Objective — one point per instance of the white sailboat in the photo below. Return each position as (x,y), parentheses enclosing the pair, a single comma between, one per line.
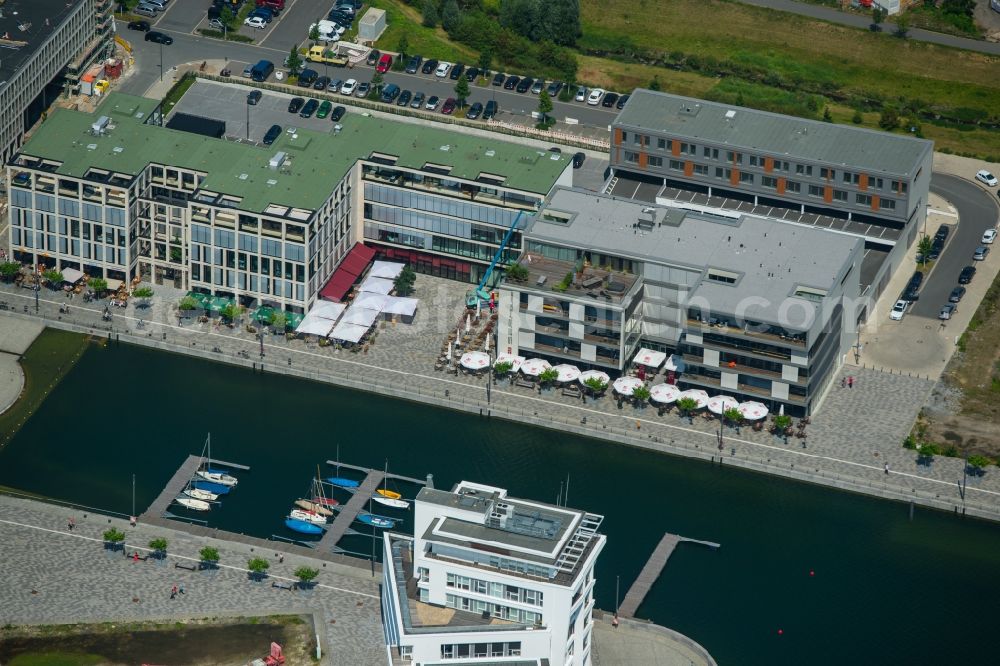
(308,516)
(214,475)
(193,504)
(387,497)
(200,494)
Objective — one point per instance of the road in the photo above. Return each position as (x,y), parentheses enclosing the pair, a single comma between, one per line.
(977,212)
(863,21)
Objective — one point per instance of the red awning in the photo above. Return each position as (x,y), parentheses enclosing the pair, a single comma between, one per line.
(352,266)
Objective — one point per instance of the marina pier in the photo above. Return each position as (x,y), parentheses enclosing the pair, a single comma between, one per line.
(652,570)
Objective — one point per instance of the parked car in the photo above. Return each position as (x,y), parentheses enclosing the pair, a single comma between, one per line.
(989,236)
(307,77)
(418,100)
(986,177)
(442,69)
(390,93)
(980,253)
(621,101)
(273,133)
(295,104)
(912,291)
(254,97)
(594,98)
(578,160)
(449,106)
(159,38)
(472,74)
(364,88)
(338,113)
(610,99)
(247,71)
(217,24)
(511,82)
(490,110)
(334,85)
(324,109)
(936,248)
(141,26)
(525,85)
(262,12)
(321,83)
(947,311)
(581,94)
(404,98)
(537,87)
(554,88)
(414,64)
(429,66)
(474,111)
(309,108)
(942,233)
(255,22)
(965,277)
(956,294)
(384,63)
(456,71)
(898,310)
(499,78)
(350,85)
(373,57)
(432,103)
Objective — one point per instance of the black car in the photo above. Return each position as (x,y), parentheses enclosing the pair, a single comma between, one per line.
(942,233)
(912,291)
(429,66)
(965,277)
(159,38)
(474,111)
(309,109)
(621,101)
(307,77)
(404,98)
(253,97)
(338,113)
(321,83)
(471,74)
(295,104)
(272,134)
(456,71)
(390,93)
(343,19)
(490,110)
(511,82)
(141,26)
(525,84)
(610,99)
(555,149)
(498,79)
(578,159)
(956,294)
(414,64)
(373,57)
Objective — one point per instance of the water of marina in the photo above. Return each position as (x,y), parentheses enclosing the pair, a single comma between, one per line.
(845,578)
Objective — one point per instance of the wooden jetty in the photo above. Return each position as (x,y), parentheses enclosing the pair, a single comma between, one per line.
(349,512)
(177,482)
(359,468)
(654,566)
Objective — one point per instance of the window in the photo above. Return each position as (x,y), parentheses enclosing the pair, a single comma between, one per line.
(863,199)
(654,161)
(676,165)
(689,149)
(631,157)
(793,186)
(701,169)
(733,157)
(722,276)
(711,152)
(769,182)
(781,166)
(664,144)
(879,183)
(840,195)
(899,186)
(637,139)
(829,174)
(803,170)
(746,178)
(624,137)
(723,173)
(815,190)
(887,204)
(756,161)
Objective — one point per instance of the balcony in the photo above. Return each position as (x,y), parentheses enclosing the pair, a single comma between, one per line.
(601,286)
(734,366)
(558,331)
(605,359)
(722,328)
(713,385)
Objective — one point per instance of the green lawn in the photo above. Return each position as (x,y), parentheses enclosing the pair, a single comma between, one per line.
(428,42)
(57,659)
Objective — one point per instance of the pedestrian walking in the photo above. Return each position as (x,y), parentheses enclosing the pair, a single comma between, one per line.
(843,382)
(181,588)
(614,621)
(850,382)
(173,592)
(71,524)
(281,559)
(887,469)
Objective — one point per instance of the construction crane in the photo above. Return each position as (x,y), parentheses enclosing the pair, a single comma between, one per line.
(480,293)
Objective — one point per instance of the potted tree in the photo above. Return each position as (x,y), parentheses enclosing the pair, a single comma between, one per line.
(977,465)
(98,286)
(306,576)
(641,396)
(9,270)
(278,322)
(258,567)
(403,284)
(53,277)
(517,273)
(926,453)
(501,369)
(596,386)
(547,376)
(686,407)
(144,294)
(209,558)
(781,424)
(159,548)
(733,417)
(114,540)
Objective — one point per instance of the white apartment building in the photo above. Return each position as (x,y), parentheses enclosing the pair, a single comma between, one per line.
(487,579)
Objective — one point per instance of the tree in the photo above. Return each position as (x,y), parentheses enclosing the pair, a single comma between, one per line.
(548,375)
(977,464)
(517,272)
(878,15)
(113,539)
(924,248)
(485,60)
(294,61)
(501,368)
(188,303)
(641,394)
(9,269)
(655,83)
(258,567)
(232,312)
(313,33)
(279,321)
(403,284)
(902,26)
(144,293)
(376,90)
(733,416)
(596,385)
(462,90)
(857,118)
(926,453)
(544,109)
(306,575)
(228,17)
(53,277)
(430,14)
(403,45)
(209,557)
(99,285)
(827,118)
(686,406)
(889,120)
(159,546)
(450,16)
(781,423)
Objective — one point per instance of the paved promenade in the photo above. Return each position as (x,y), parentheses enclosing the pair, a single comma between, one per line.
(16,335)
(635,642)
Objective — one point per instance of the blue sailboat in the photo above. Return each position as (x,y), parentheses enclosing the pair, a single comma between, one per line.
(376,521)
(302,526)
(341,482)
(216,488)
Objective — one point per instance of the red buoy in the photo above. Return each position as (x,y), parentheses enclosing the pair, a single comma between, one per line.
(781,631)
(812,573)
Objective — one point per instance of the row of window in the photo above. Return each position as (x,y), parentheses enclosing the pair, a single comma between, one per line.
(508,613)
(62,245)
(498,590)
(245,262)
(480,650)
(226,240)
(452,246)
(760,161)
(436,204)
(260,285)
(437,224)
(90,212)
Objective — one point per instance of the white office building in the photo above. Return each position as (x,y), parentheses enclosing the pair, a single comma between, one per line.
(488,579)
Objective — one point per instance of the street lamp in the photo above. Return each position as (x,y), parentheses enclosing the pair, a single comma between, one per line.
(248,121)
(161,62)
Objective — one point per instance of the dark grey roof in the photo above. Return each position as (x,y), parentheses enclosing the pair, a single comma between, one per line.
(25,21)
(773,133)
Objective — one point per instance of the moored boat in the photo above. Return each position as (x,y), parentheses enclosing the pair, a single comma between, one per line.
(193,504)
(394,503)
(341,482)
(391,494)
(376,521)
(199,494)
(302,526)
(308,516)
(306,505)
(215,488)
(325,501)
(215,477)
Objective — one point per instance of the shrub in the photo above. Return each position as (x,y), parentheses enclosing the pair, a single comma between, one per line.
(517,272)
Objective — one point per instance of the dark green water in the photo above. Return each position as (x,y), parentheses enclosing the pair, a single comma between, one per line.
(886,590)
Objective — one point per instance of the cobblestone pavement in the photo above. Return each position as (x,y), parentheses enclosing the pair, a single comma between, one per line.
(840,448)
(53,575)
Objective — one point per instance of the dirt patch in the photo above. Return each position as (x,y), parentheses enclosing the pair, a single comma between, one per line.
(208,642)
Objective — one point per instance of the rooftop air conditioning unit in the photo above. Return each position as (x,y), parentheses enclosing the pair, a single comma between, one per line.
(100,125)
(278,160)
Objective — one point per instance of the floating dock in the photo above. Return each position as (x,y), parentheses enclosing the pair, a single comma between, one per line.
(349,512)
(654,567)
(159,507)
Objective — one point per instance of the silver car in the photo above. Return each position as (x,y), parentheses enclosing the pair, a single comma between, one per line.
(980,253)
(335,85)
(947,311)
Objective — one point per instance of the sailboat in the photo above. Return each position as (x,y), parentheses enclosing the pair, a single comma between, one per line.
(215,475)
(302,526)
(308,516)
(199,494)
(193,504)
(341,482)
(214,488)
(316,504)
(387,497)
(376,521)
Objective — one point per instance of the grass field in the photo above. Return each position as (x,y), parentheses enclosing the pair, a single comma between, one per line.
(429,42)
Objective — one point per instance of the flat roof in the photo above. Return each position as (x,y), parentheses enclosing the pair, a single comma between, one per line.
(768,258)
(774,133)
(316,161)
(26,24)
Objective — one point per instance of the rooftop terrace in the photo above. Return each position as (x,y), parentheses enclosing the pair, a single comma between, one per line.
(549,275)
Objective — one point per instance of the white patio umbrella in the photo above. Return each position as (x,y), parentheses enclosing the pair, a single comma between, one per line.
(697,395)
(594,374)
(567,372)
(479,305)
(649,358)
(468,323)
(535,366)
(487,345)
(515,361)
(475,360)
(720,403)
(448,354)
(627,385)
(664,393)
(752,410)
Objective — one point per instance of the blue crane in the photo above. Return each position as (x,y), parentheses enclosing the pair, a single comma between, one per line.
(480,293)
